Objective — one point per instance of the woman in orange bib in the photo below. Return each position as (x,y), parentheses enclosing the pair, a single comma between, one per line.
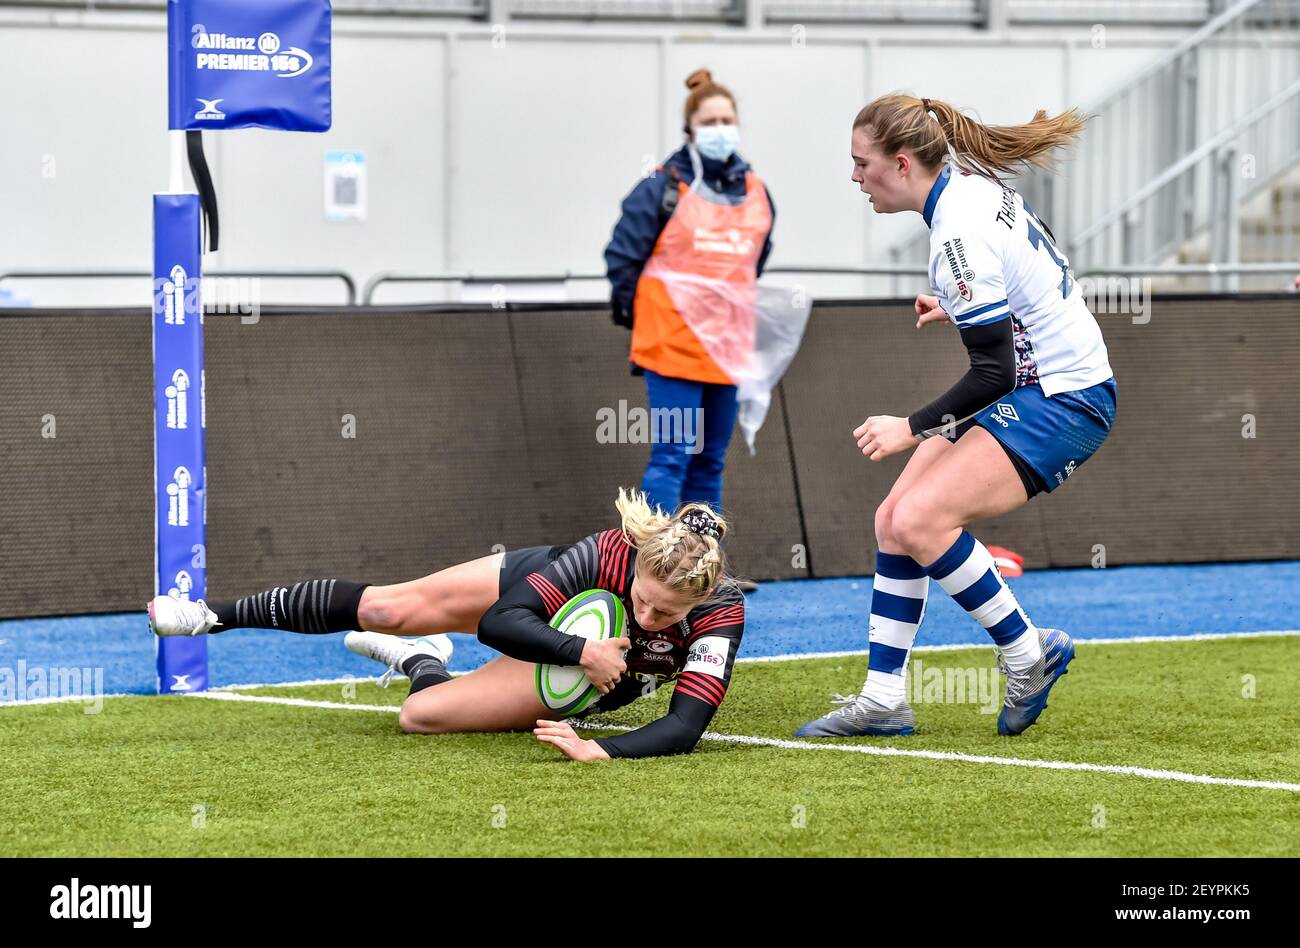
(683,264)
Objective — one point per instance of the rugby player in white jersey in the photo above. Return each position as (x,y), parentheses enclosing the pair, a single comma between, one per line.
(1036,403)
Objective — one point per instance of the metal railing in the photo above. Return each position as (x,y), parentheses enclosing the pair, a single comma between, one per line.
(447,8)
(713,11)
(1191,94)
(988,14)
(1160,216)
(973,12)
(505,279)
(1201,269)
(917,275)
(488,279)
(342,276)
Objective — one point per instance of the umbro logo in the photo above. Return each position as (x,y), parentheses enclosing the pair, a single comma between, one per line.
(1008,411)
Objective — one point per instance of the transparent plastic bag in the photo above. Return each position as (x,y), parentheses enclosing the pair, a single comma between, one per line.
(751,331)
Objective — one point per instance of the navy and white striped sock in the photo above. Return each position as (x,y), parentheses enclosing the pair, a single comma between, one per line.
(898,596)
(968,574)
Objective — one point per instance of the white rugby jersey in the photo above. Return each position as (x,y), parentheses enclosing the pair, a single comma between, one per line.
(991,259)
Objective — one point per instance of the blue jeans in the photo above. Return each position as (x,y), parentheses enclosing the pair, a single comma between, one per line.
(688,446)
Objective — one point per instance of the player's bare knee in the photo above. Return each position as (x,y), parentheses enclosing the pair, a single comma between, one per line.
(380,610)
(885,525)
(416,720)
(912,525)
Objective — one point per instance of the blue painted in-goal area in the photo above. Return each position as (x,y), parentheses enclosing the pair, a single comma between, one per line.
(792,616)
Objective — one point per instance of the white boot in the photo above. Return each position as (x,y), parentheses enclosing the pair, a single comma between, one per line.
(168,616)
(393,650)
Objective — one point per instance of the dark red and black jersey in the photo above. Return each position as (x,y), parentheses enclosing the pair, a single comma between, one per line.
(696,654)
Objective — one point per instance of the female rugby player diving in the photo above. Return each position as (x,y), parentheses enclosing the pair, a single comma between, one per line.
(1036,403)
(685,620)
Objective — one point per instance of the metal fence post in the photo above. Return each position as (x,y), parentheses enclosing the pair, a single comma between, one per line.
(1231,215)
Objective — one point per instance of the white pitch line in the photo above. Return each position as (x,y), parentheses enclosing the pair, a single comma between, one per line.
(856,653)
(294,702)
(790,657)
(1123,770)
(1146,772)
(961,646)
(343,680)
(65,699)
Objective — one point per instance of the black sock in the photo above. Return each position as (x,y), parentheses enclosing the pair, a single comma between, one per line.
(425,671)
(314,607)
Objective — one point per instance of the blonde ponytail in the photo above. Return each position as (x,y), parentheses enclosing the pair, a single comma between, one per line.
(900,122)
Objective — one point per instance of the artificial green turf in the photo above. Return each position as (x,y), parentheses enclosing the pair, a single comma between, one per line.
(280,780)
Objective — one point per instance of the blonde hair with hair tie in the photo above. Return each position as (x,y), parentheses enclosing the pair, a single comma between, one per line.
(678,550)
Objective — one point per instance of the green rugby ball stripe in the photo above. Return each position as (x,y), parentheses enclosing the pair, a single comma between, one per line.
(595,614)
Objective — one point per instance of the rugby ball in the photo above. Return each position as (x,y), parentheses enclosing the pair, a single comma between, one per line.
(595,614)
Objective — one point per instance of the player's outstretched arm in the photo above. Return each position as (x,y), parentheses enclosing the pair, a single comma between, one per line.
(677,732)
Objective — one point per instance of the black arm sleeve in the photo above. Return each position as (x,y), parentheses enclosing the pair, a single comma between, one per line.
(516,625)
(677,732)
(991,375)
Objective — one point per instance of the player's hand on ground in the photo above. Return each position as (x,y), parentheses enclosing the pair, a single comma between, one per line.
(603,662)
(561,735)
(928,310)
(882,435)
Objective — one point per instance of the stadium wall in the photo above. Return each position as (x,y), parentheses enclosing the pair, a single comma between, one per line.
(474,164)
(477,429)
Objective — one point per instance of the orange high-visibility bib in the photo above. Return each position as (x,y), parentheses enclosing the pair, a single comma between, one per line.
(695,301)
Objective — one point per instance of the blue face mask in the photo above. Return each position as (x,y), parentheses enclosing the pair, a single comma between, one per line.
(718,142)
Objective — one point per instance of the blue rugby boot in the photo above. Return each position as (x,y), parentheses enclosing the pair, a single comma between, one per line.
(1026,695)
(861,717)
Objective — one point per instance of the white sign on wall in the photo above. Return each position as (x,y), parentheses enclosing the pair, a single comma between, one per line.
(345,186)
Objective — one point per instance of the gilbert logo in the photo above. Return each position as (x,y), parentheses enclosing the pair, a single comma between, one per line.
(210,112)
(103,901)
